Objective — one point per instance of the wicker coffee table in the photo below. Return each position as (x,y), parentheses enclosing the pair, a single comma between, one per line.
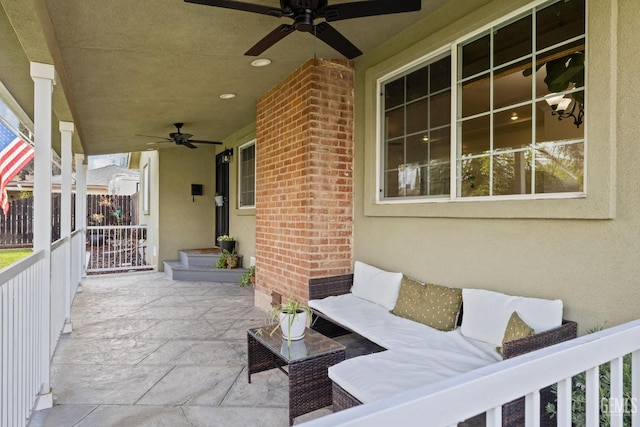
(308,360)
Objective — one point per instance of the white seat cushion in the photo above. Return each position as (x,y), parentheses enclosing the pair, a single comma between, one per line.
(379,375)
(373,322)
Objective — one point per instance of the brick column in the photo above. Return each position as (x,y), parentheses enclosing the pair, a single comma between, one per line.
(304,194)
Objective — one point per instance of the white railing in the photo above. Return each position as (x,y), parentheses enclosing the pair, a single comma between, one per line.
(78,261)
(22,347)
(117,248)
(60,279)
(27,338)
(452,401)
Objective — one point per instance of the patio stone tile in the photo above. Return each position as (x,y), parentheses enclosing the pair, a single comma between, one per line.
(232,301)
(136,415)
(90,314)
(267,389)
(104,351)
(231,312)
(164,313)
(198,329)
(231,292)
(61,415)
(112,328)
(170,301)
(239,416)
(201,353)
(150,351)
(192,385)
(238,330)
(103,384)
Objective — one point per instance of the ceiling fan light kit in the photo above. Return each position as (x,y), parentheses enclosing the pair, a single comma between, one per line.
(304,12)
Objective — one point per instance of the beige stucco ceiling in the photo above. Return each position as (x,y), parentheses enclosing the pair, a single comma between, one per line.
(135,67)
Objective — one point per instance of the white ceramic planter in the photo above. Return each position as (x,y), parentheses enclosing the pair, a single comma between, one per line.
(295,329)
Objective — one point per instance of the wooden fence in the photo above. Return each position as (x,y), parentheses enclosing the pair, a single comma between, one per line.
(16,229)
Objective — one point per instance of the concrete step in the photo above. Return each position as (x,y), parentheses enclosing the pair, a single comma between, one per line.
(202,257)
(176,270)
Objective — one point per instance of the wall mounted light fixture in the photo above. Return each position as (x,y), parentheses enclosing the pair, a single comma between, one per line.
(226,155)
(565,108)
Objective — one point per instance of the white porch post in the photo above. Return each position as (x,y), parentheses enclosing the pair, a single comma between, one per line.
(66,132)
(43,76)
(81,206)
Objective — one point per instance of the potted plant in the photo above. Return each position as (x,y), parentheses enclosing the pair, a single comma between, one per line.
(292,318)
(226,242)
(219,198)
(227,260)
(248,278)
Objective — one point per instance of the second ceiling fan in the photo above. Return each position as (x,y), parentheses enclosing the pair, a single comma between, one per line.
(180,138)
(304,12)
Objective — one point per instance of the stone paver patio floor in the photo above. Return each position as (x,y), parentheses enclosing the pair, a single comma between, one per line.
(150,351)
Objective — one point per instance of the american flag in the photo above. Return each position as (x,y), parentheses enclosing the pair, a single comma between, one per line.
(15,154)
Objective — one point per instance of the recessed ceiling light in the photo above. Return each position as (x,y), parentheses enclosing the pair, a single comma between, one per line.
(514,116)
(227,96)
(262,62)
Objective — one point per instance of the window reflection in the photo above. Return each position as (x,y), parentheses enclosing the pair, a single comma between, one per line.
(500,140)
(417,132)
(511,139)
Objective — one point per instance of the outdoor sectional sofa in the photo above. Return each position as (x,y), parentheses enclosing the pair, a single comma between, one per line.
(427,332)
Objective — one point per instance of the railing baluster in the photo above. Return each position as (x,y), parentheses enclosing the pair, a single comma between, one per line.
(616,405)
(635,388)
(532,409)
(592,405)
(565,402)
(494,417)
(4,362)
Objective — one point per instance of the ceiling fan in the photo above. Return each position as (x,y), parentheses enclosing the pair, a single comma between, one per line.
(180,138)
(303,13)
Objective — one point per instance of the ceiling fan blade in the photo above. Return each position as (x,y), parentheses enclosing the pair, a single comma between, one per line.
(197,141)
(360,9)
(333,38)
(185,135)
(238,5)
(270,39)
(186,144)
(153,136)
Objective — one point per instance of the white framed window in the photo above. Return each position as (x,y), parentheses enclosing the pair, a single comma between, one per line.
(506,103)
(247,175)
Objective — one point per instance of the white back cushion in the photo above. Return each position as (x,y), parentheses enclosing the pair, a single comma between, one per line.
(485,314)
(375,285)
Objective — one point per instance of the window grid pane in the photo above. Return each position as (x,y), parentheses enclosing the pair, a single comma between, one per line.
(499,130)
(511,138)
(247,176)
(416,130)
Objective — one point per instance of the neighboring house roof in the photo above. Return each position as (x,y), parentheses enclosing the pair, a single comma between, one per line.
(102,176)
(99,177)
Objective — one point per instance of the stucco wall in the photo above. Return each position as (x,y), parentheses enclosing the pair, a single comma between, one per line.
(185,223)
(150,217)
(523,248)
(242,223)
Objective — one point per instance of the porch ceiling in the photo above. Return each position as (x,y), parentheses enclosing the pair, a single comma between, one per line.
(135,67)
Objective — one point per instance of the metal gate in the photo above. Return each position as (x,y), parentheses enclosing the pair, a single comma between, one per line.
(117,248)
